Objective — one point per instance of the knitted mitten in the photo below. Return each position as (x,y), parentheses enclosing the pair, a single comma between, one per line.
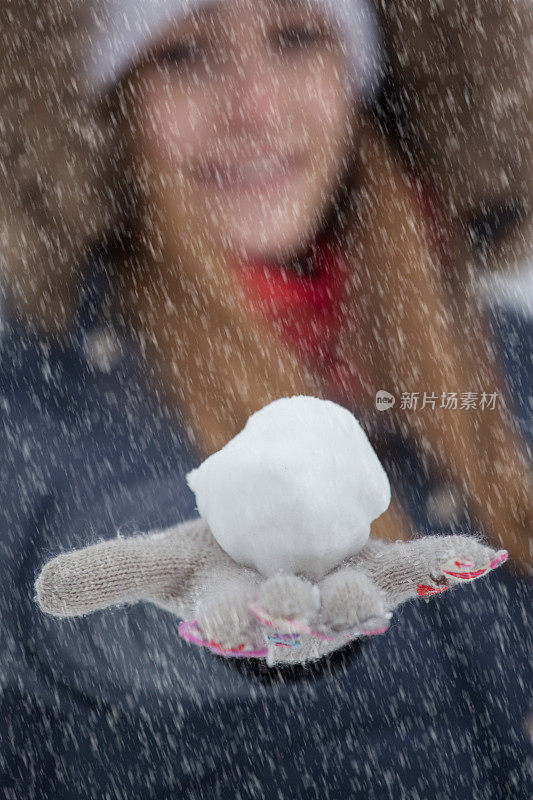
(235,611)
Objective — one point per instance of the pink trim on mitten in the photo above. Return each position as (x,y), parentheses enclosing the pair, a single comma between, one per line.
(456,569)
(290,625)
(501,556)
(285,639)
(300,626)
(190,632)
(468,575)
(422,589)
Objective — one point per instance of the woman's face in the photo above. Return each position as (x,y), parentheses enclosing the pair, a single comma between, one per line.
(241,120)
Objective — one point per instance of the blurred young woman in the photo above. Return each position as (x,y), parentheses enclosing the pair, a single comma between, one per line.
(231,158)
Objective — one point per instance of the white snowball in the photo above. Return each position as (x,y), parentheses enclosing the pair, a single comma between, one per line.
(295,491)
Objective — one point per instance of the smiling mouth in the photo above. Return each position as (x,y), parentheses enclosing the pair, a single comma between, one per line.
(248,174)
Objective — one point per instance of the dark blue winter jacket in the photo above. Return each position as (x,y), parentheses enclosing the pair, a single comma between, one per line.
(116,706)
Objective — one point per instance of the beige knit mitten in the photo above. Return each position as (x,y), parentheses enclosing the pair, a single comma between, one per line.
(235,611)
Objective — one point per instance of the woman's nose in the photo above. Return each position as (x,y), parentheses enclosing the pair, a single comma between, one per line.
(254,94)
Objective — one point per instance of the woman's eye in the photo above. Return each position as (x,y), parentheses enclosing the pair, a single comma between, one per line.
(299,36)
(182,54)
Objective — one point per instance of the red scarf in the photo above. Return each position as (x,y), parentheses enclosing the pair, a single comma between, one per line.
(306,310)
